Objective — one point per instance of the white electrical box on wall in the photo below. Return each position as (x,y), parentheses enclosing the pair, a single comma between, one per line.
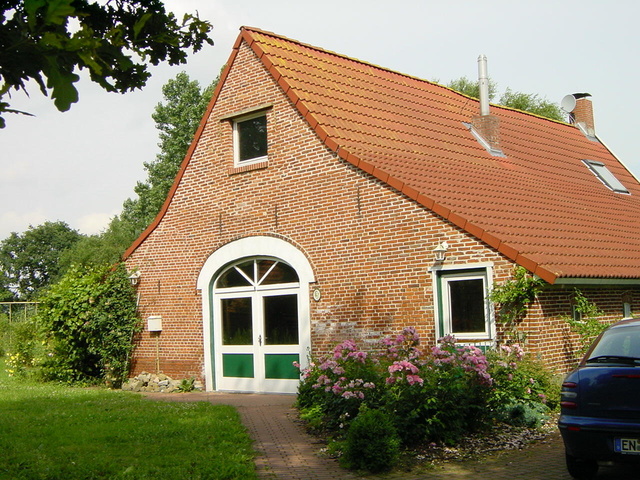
(154,323)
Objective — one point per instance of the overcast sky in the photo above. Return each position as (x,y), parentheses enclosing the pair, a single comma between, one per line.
(79,166)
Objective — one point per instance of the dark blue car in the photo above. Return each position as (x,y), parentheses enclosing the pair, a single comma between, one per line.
(600,416)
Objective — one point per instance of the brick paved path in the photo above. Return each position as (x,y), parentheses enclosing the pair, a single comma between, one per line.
(286,452)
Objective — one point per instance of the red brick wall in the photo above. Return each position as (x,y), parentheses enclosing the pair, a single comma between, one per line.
(549,335)
(370,246)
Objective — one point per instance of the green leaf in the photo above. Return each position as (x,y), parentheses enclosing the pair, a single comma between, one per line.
(58,11)
(64,93)
(32,7)
(52,40)
(139,25)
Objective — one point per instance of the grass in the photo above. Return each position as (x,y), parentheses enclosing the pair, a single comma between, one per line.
(57,432)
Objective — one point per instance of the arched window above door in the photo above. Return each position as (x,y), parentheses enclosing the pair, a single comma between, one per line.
(257,272)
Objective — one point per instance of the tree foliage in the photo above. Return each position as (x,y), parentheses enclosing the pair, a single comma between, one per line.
(177,120)
(90,319)
(106,247)
(531,102)
(472,88)
(49,41)
(528,102)
(30,261)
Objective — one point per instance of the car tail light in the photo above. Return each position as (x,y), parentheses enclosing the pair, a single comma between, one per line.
(569,395)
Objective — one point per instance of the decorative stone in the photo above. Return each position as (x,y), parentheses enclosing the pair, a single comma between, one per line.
(147,382)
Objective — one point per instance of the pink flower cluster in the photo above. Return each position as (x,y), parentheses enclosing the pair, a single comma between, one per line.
(404,345)
(470,358)
(515,349)
(340,374)
(333,378)
(404,369)
(349,349)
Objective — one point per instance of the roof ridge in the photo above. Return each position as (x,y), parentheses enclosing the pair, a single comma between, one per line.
(347,57)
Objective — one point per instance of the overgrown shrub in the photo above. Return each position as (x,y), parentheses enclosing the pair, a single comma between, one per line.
(89,317)
(5,334)
(521,414)
(23,347)
(371,443)
(519,378)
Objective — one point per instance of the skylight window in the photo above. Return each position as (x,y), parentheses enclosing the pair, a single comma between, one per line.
(600,170)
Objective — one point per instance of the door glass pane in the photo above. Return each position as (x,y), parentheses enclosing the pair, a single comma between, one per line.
(281,320)
(281,273)
(237,328)
(467,307)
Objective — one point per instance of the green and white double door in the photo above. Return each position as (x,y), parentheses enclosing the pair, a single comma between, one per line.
(260,327)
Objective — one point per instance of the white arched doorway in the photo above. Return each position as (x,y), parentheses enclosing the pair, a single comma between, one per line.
(255,303)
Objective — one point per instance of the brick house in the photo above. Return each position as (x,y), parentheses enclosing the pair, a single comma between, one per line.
(317,192)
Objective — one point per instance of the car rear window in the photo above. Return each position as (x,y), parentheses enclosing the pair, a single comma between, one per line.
(624,342)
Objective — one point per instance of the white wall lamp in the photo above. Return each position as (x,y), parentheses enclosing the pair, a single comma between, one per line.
(440,252)
(134,278)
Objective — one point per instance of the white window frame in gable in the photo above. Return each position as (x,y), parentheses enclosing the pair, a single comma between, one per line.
(442,276)
(236,139)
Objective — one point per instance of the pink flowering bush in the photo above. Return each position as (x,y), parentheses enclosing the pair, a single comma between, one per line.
(341,383)
(436,394)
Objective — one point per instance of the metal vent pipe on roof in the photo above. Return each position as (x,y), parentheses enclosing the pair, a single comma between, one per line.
(483,81)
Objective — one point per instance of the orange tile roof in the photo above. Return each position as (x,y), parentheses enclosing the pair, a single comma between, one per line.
(539,205)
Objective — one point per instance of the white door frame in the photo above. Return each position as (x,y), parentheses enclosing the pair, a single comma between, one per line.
(254,247)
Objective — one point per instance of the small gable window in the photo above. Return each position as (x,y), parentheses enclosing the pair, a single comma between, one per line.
(601,171)
(250,139)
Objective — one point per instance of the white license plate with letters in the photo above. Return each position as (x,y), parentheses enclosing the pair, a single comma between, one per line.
(627,445)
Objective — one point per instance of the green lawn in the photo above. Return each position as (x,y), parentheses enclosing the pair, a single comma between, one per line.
(56,432)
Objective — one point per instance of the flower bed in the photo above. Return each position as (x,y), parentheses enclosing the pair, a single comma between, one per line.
(435,396)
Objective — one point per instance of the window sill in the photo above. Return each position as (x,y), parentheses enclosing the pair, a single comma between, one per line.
(472,340)
(248,168)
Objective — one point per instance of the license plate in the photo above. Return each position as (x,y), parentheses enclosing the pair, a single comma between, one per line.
(627,445)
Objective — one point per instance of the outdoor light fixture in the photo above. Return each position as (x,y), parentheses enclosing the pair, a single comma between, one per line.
(134,278)
(440,251)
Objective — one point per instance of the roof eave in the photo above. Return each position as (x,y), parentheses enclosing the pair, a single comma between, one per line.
(596,281)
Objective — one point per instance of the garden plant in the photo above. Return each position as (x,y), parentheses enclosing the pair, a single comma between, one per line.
(83,331)
(438,395)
